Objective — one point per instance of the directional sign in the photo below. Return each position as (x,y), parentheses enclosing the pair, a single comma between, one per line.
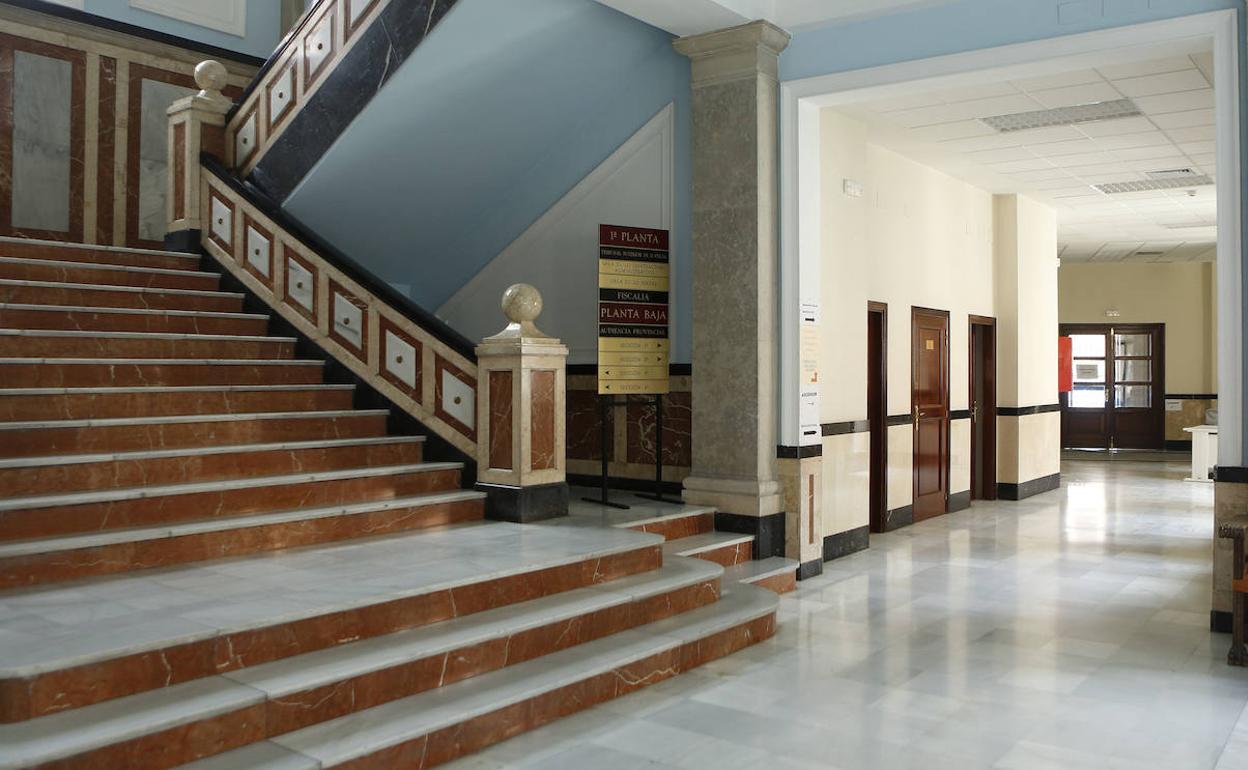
(633,310)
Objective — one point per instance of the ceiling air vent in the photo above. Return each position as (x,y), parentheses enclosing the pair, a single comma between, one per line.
(1172,173)
(1117,188)
(1063,116)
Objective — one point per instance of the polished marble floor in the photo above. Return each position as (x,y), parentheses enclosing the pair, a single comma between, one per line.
(1065,631)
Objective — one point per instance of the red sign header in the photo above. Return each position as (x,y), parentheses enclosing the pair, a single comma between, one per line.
(633,237)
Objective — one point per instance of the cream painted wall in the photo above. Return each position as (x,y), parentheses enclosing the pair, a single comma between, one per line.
(1026,298)
(1182,295)
(917,237)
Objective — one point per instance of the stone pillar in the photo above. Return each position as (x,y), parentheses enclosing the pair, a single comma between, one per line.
(735,248)
(196,125)
(521,402)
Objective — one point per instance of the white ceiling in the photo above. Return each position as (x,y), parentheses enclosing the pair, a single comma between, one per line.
(691,17)
(1060,164)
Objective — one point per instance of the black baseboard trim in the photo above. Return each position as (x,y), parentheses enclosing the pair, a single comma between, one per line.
(523,505)
(799,452)
(184,240)
(845,543)
(1024,411)
(1220,622)
(670,488)
(1029,488)
(1178,445)
(810,569)
(1230,474)
(898,518)
(959,501)
(768,531)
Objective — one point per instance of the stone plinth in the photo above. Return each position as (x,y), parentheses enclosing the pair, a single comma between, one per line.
(521,441)
(196,125)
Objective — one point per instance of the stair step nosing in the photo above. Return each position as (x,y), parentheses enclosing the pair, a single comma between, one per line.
(177,336)
(170,389)
(199,527)
(88,728)
(68,246)
(744,572)
(96,496)
(111,287)
(278,678)
(113,422)
(402,720)
(106,266)
(725,542)
(161,361)
(223,449)
(131,311)
(665,518)
(193,630)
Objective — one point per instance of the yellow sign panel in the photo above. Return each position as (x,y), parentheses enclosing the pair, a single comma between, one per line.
(642,283)
(608,358)
(627,345)
(633,269)
(634,387)
(632,372)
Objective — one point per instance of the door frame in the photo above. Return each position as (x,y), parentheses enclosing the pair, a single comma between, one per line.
(1158,409)
(989,471)
(878,426)
(945,372)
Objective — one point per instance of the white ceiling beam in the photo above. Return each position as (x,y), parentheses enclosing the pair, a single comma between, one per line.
(693,17)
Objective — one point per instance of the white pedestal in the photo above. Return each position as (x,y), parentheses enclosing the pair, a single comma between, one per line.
(1204,451)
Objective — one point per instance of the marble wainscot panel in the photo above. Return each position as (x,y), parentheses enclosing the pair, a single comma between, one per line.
(83,131)
(1192,408)
(900,476)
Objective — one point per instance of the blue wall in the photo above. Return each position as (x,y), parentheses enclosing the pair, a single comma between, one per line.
(501,111)
(263,25)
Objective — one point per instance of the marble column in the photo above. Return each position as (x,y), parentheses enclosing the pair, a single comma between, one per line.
(521,408)
(196,125)
(735,253)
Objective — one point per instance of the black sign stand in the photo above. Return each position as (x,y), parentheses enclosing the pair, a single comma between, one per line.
(658,456)
(604,404)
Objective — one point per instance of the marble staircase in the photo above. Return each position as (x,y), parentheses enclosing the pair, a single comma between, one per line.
(209,555)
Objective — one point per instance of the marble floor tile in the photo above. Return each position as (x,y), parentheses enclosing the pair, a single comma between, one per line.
(1069,630)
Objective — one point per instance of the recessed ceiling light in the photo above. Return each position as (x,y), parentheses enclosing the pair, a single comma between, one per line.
(1064,116)
(1171,173)
(1117,188)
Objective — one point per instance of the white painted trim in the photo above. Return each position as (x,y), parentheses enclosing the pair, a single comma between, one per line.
(662,128)
(228,16)
(801,226)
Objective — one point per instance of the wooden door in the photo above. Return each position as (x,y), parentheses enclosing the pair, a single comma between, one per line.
(1118,399)
(983,401)
(877,410)
(929,366)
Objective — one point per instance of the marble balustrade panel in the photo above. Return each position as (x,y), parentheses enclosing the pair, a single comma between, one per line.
(360,330)
(631,428)
(83,130)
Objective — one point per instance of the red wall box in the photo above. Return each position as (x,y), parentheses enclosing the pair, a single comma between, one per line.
(1065,365)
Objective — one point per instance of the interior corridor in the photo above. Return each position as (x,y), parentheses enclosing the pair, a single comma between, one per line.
(1069,630)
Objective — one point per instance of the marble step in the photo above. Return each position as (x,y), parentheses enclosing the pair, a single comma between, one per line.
(147,506)
(129,434)
(775,573)
(172,372)
(157,628)
(676,525)
(81,472)
(723,548)
(108,552)
(110,255)
(55,343)
(23,404)
(80,318)
(219,713)
(94,295)
(440,725)
(21,269)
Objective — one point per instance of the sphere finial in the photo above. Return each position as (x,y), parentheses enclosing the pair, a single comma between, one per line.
(211,76)
(522,303)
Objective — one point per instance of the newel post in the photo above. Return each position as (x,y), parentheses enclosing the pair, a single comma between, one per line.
(521,394)
(196,125)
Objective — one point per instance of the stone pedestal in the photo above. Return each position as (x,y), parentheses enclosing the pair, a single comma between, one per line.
(735,248)
(521,439)
(196,125)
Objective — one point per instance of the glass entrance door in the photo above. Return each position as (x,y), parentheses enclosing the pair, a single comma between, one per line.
(1117,401)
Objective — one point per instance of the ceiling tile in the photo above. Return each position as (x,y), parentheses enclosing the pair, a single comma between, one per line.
(1185,100)
(1019,165)
(960,130)
(1128,141)
(975,108)
(1041,175)
(1150,67)
(1002,155)
(1170,82)
(911,102)
(1116,127)
(1145,153)
(1185,119)
(1198,148)
(1193,134)
(1050,149)
(1072,95)
(1077,78)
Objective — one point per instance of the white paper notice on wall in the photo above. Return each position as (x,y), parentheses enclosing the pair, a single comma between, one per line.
(1174,405)
(808,345)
